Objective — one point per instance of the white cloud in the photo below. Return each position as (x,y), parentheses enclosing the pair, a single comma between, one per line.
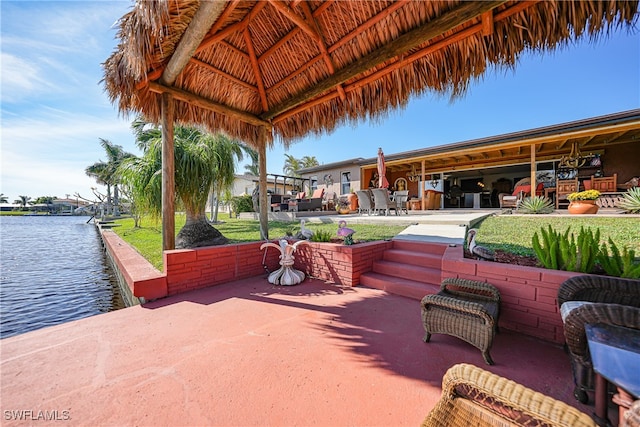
(21,78)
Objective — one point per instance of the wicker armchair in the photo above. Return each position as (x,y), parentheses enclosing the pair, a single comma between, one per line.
(612,290)
(575,336)
(466,309)
(615,300)
(474,397)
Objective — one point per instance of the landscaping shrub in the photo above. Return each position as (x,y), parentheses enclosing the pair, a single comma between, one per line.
(536,205)
(242,204)
(563,252)
(631,201)
(321,236)
(619,265)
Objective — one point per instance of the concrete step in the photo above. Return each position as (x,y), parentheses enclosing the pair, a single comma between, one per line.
(420,247)
(408,271)
(420,259)
(398,286)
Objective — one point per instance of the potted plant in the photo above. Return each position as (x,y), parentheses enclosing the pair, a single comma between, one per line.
(343,205)
(583,202)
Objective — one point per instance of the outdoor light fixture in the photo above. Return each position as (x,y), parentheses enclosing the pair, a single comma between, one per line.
(575,159)
(414,175)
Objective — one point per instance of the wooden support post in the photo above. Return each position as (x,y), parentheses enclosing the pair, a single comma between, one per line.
(421,190)
(533,170)
(168,175)
(262,164)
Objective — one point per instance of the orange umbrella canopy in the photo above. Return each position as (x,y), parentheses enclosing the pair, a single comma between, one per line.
(299,67)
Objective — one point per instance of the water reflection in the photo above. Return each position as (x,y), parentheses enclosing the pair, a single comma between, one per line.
(52,270)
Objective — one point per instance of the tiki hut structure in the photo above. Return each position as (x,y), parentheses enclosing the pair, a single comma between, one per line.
(265,71)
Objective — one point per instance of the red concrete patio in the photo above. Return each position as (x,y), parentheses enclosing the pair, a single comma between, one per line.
(250,353)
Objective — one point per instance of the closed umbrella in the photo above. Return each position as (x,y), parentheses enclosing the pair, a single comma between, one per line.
(382,169)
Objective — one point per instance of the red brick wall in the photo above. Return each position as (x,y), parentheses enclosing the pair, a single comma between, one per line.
(338,263)
(528,293)
(189,269)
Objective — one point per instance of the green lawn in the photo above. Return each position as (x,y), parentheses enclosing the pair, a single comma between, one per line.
(509,233)
(148,238)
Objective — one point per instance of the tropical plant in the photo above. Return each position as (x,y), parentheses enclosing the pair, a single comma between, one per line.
(227,152)
(105,173)
(242,203)
(584,195)
(293,165)
(536,205)
(253,168)
(563,252)
(321,236)
(196,155)
(630,200)
(619,265)
(22,201)
(3,198)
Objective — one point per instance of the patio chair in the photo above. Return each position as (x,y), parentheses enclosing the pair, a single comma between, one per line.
(364,201)
(605,184)
(466,309)
(472,396)
(329,201)
(382,202)
(401,197)
(313,203)
(564,187)
(594,299)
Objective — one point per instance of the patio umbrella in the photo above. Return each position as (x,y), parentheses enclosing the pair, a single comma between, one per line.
(382,169)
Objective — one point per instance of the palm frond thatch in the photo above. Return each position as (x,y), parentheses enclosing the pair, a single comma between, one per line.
(297,65)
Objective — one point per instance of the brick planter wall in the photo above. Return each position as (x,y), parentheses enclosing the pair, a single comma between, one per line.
(528,294)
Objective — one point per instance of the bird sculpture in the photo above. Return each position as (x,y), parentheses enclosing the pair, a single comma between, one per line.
(480,252)
(345,232)
(304,233)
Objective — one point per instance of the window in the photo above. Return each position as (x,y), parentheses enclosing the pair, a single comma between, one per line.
(345,182)
(313,183)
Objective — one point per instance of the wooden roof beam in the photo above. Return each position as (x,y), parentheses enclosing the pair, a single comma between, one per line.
(202,102)
(487,23)
(323,47)
(295,18)
(237,27)
(202,21)
(463,13)
(223,74)
(256,69)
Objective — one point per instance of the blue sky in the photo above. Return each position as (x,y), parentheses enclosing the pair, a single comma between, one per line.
(54,109)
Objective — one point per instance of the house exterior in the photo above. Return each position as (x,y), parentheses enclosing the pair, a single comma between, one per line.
(471,173)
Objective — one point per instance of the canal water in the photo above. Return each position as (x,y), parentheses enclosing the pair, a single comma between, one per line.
(52,270)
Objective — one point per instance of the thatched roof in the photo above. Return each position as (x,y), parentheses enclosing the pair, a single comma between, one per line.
(299,67)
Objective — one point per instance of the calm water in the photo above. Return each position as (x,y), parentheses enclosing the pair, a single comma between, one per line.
(52,270)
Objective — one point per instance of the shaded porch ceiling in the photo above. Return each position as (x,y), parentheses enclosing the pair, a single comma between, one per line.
(590,136)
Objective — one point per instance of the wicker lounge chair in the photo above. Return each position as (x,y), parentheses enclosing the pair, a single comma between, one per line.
(594,299)
(466,309)
(472,396)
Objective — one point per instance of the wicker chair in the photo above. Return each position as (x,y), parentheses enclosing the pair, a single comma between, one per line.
(615,300)
(474,397)
(466,309)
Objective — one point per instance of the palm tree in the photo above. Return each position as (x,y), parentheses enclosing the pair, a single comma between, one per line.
(227,151)
(201,160)
(3,198)
(291,165)
(309,161)
(22,201)
(105,172)
(254,167)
